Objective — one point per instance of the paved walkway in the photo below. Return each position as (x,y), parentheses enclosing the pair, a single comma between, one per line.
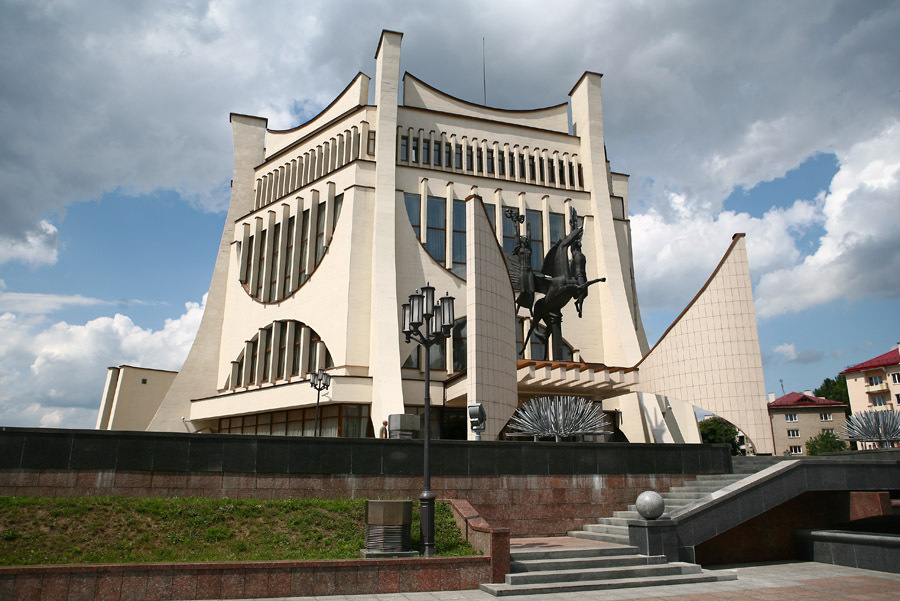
(785,581)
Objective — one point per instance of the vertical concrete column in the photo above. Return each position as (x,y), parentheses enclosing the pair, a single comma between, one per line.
(448,226)
(453,145)
(384,354)
(259,186)
(423,206)
(364,141)
(519,176)
(354,140)
(399,157)
(421,153)
(257,250)
(495,146)
(545,221)
(333,164)
(498,216)
(620,339)
(304,351)
(262,340)
(248,364)
(567,211)
(577,184)
(445,144)
(410,134)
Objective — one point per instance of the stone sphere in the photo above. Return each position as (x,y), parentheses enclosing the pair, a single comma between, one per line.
(650,505)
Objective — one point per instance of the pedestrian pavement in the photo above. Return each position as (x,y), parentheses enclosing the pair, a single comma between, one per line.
(776,581)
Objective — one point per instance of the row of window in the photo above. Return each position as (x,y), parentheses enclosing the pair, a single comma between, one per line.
(792,417)
(876,380)
(344,420)
(271,266)
(313,164)
(434,233)
(279,351)
(796,433)
(481,157)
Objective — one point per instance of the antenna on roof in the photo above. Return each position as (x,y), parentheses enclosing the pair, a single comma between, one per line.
(483,73)
(780,381)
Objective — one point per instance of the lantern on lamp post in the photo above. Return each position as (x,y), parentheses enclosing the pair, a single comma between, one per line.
(427,323)
(320,381)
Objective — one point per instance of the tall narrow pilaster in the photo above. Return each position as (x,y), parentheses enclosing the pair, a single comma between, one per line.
(384,348)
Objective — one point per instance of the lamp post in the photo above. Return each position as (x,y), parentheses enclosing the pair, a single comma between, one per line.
(320,381)
(437,319)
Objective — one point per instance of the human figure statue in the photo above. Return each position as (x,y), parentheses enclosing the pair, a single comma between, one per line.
(577,269)
(526,279)
(384,430)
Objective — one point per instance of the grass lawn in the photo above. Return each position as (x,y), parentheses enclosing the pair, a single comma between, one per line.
(39,530)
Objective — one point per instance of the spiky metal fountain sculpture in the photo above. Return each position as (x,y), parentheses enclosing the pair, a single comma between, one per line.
(882,427)
(559,417)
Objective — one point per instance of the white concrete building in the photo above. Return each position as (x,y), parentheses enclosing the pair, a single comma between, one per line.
(332,224)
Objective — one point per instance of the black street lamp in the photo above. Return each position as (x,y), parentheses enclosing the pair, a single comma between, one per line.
(320,381)
(421,310)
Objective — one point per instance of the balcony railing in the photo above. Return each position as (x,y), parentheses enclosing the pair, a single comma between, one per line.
(883,387)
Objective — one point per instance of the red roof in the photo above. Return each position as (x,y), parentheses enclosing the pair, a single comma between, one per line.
(892,357)
(795,399)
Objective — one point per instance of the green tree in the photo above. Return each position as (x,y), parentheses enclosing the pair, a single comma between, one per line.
(826,442)
(712,429)
(833,390)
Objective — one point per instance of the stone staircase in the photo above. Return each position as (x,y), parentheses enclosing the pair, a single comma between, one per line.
(615,529)
(593,568)
(607,560)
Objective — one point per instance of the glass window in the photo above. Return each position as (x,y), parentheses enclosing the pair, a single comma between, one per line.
(509,232)
(437,153)
(790,417)
(415,150)
(413,210)
(557,227)
(447,154)
(825,417)
(459,238)
(336,211)
(793,433)
(879,401)
(536,238)
(426,151)
(501,163)
(895,378)
(437,228)
(479,160)
(438,356)
(490,161)
(320,232)
(248,268)
(491,211)
(796,450)
(370,146)
(538,348)
(828,431)
(875,380)
(551,170)
(458,152)
(404,148)
(412,362)
(562,173)
(531,168)
(459,345)
(469,165)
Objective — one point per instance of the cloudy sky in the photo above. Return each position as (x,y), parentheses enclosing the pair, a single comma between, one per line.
(777,119)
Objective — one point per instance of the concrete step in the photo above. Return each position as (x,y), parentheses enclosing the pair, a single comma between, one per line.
(621,530)
(599,536)
(584,563)
(581,552)
(627,515)
(689,495)
(504,590)
(613,521)
(711,487)
(703,478)
(611,573)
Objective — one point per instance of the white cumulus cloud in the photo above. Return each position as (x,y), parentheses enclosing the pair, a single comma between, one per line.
(53,375)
